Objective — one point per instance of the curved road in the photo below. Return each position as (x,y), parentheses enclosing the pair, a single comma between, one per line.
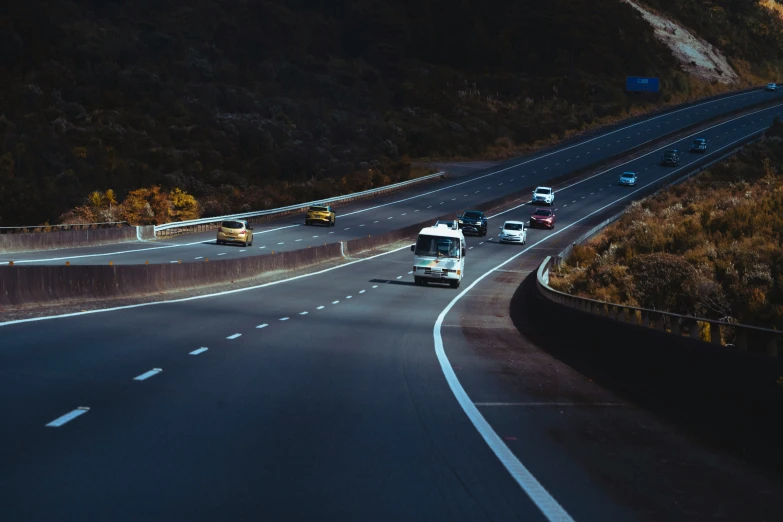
(331,396)
(420,203)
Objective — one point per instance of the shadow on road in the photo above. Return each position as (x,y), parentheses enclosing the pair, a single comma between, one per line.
(729,400)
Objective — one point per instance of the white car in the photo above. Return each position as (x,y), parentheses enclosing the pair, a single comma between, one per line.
(513,232)
(772,87)
(544,195)
(627,178)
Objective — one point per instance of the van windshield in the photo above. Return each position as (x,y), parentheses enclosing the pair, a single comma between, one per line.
(436,246)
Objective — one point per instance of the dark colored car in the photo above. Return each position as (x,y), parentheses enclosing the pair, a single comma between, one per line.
(473,221)
(699,145)
(542,217)
(671,158)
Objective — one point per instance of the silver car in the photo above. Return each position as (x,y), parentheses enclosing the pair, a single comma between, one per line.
(513,232)
(544,195)
(628,178)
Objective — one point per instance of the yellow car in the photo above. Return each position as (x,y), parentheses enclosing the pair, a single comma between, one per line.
(235,231)
(323,215)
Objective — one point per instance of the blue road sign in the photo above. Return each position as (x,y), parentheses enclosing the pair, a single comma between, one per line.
(640,83)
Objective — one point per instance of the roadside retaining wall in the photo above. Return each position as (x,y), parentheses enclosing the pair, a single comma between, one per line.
(51,284)
(30,241)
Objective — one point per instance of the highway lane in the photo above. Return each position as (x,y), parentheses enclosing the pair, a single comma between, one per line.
(341,412)
(407,207)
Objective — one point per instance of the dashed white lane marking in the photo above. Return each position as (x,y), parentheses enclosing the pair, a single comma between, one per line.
(59,421)
(377,220)
(600,189)
(147,375)
(574,201)
(416,210)
(409,273)
(390,217)
(481,242)
(222,254)
(199,257)
(442,202)
(403,213)
(302,313)
(375,286)
(281,243)
(245,250)
(200,350)
(477,192)
(362,291)
(470,248)
(453,199)
(234,336)
(546,168)
(298,239)
(320,307)
(335,302)
(592,193)
(317,236)
(361,225)
(264,325)
(512,179)
(331,232)
(348,296)
(430,206)
(564,206)
(556,164)
(172,261)
(399,277)
(583,197)
(349,228)
(284,318)
(262,247)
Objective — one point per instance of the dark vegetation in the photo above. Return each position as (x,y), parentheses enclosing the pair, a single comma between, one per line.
(710,247)
(253,104)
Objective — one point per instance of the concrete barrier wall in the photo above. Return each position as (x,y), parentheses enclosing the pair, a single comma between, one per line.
(65,239)
(52,284)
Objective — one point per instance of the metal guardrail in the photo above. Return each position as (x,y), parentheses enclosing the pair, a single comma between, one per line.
(743,337)
(720,333)
(65,226)
(204,223)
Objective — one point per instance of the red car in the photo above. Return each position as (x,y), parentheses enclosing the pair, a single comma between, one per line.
(542,217)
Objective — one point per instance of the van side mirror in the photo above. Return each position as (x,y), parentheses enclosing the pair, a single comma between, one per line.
(413,248)
(463,252)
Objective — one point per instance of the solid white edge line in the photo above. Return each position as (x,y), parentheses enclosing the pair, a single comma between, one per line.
(147,375)
(200,350)
(59,421)
(205,296)
(550,508)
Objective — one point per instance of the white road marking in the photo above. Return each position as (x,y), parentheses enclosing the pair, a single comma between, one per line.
(222,254)
(262,326)
(552,404)
(200,350)
(470,248)
(331,232)
(361,225)
(302,313)
(349,228)
(481,242)
(172,261)
(362,291)
(564,206)
(377,221)
(317,236)
(348,296)
(403,213)
(375,286)
(390,217)
(284,318)
(59,421)
(320,307)
(244,250)
(427,207)
(399,277)
(146,375)
(234,336)
(297,239)
(335,302)
(199,257)
(409,273)
(416,210)
(281,243)
(261,247)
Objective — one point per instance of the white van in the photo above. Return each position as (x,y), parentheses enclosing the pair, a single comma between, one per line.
(439,256)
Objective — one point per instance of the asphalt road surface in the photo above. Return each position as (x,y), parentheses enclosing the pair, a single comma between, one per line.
(454,195)
(333,396)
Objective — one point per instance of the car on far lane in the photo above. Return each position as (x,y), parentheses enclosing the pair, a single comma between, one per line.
(513,232)
(628,178)
(699,145)
(671,158)
(544,195)
(771,87)
(543,217)
(321,214)
(235,231)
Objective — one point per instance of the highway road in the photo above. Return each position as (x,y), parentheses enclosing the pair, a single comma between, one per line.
(411,206)
(339,395)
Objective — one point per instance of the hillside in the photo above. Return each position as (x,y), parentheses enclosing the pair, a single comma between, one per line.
(710,247)
(252,104)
